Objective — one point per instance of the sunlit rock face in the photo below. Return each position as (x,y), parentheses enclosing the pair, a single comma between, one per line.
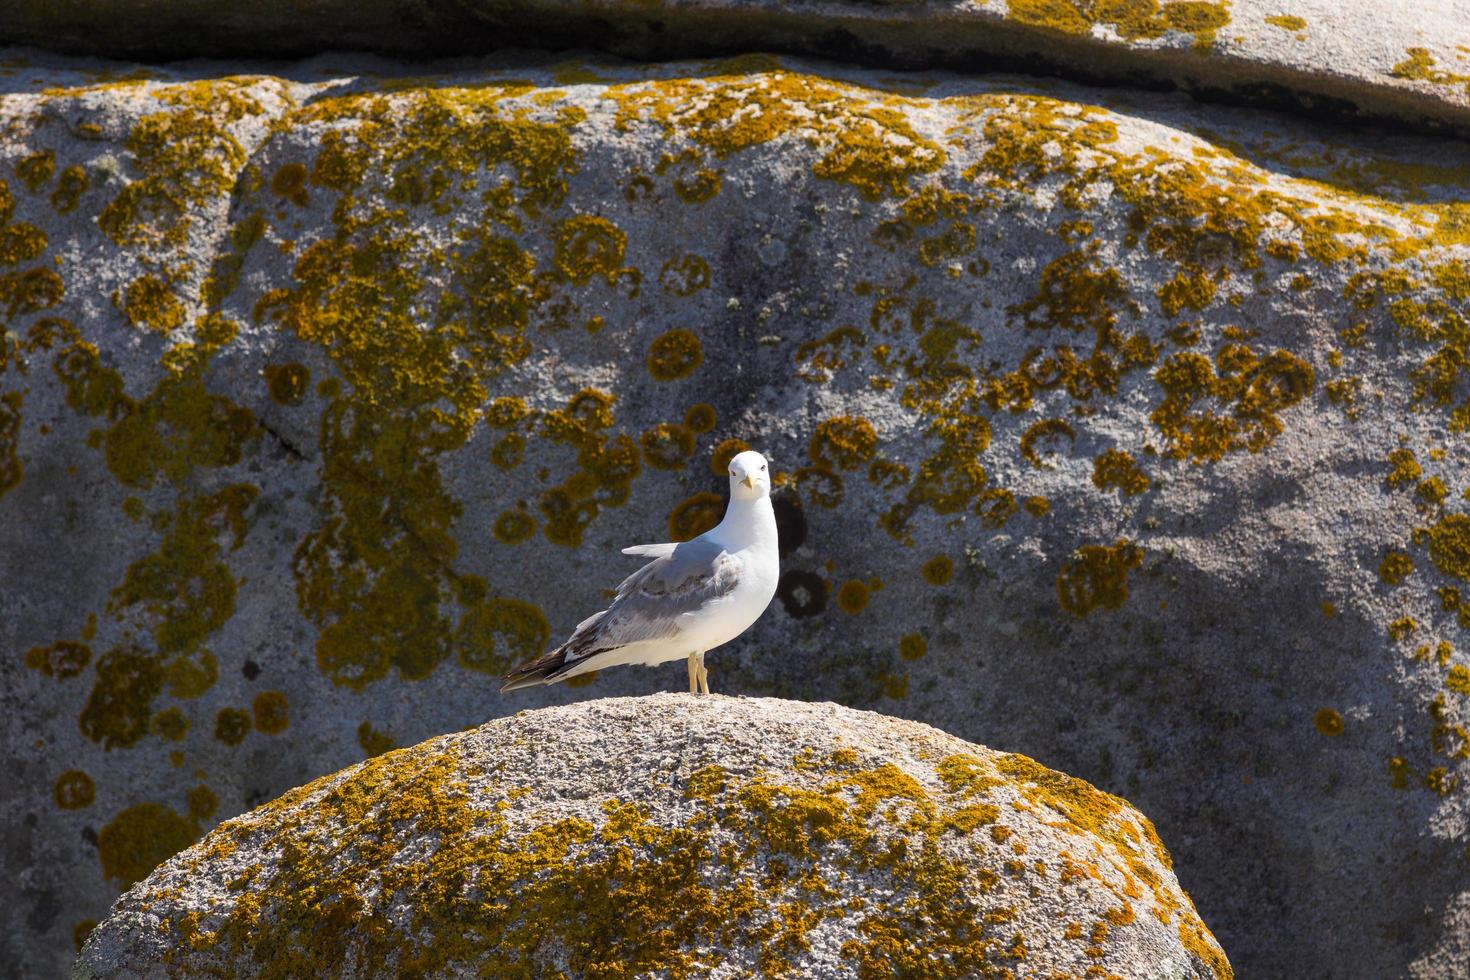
(672,835)
(1121,430)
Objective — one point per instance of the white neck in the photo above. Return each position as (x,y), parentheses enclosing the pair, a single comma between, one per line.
(748,523)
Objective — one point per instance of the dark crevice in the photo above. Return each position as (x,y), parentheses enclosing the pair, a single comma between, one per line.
(286,444)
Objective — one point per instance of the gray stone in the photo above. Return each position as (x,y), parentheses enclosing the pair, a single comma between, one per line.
(1115,428)
(672,835)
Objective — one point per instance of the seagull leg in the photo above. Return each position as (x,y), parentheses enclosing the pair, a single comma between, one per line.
(703,676)
(693,675)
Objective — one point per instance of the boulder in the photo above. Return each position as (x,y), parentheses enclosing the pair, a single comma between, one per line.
(1119,428)
(672,835)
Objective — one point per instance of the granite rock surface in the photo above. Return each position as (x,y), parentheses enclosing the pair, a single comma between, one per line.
(672,835)
(1115,428)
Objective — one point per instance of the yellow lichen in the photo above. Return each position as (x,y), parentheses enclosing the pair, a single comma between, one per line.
(674,354)
(913,646)
(271,711)
(61,659)
(231,725)
(74,790)
(694,515)
(1328,722)
(1097,577)
(667,446)
(843,442)
(700,418)
(853,597)
(1116,468)
(140,838)
(938,570)
(288,383)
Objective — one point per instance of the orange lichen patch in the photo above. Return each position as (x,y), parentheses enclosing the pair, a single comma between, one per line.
(1132,20)
(139,839)
(700,418)
(289,182)
(1402,628)
(588,246)
(36,169)
(1116,468)
(506,412)
(74,790)
(667,446)
(1420,66)
(271,711)
(1395,567)
(20,242)
(1041,432)
(287,383)
(500,632)
(1458,679)
(1404,468)
(1328,722)
(820,485)
(694,515)
(853,597)
(843,442)
(69,189)
(231,725)
(149,304)
(607,465)
(117,711)
(700,186)
(170,724)
(1251,390)
(1287,22)
(508,451)
(61,659)
(1191,289)
(938,570)
(867,144)
(1449,545)
(674,354)
(514,527)
(913,646)
(185,588)
(1037,506)
(719,462)
(1097,577)
(818,361)
(184,155)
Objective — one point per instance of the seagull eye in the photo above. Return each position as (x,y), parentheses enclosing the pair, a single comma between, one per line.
(763,467)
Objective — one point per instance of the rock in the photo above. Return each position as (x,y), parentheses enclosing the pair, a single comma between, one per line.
(1398,61)
(672,835)
(1121,429)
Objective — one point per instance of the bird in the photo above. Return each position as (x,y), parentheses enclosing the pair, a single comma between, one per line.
(694,596)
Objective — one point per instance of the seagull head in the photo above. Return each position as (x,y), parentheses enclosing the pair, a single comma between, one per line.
(750,477)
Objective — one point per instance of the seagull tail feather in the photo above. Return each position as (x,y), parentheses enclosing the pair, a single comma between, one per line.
(542,670)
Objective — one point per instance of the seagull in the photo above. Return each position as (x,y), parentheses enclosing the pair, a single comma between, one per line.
(693,596)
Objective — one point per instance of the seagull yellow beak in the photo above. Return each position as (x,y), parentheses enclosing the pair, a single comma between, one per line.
(749,481)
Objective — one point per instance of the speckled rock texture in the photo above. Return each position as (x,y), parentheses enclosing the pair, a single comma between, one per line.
(672,835)
(1400,61)
(1114,428)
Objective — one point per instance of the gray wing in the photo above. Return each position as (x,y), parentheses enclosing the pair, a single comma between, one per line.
(650,601)
(647,607)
